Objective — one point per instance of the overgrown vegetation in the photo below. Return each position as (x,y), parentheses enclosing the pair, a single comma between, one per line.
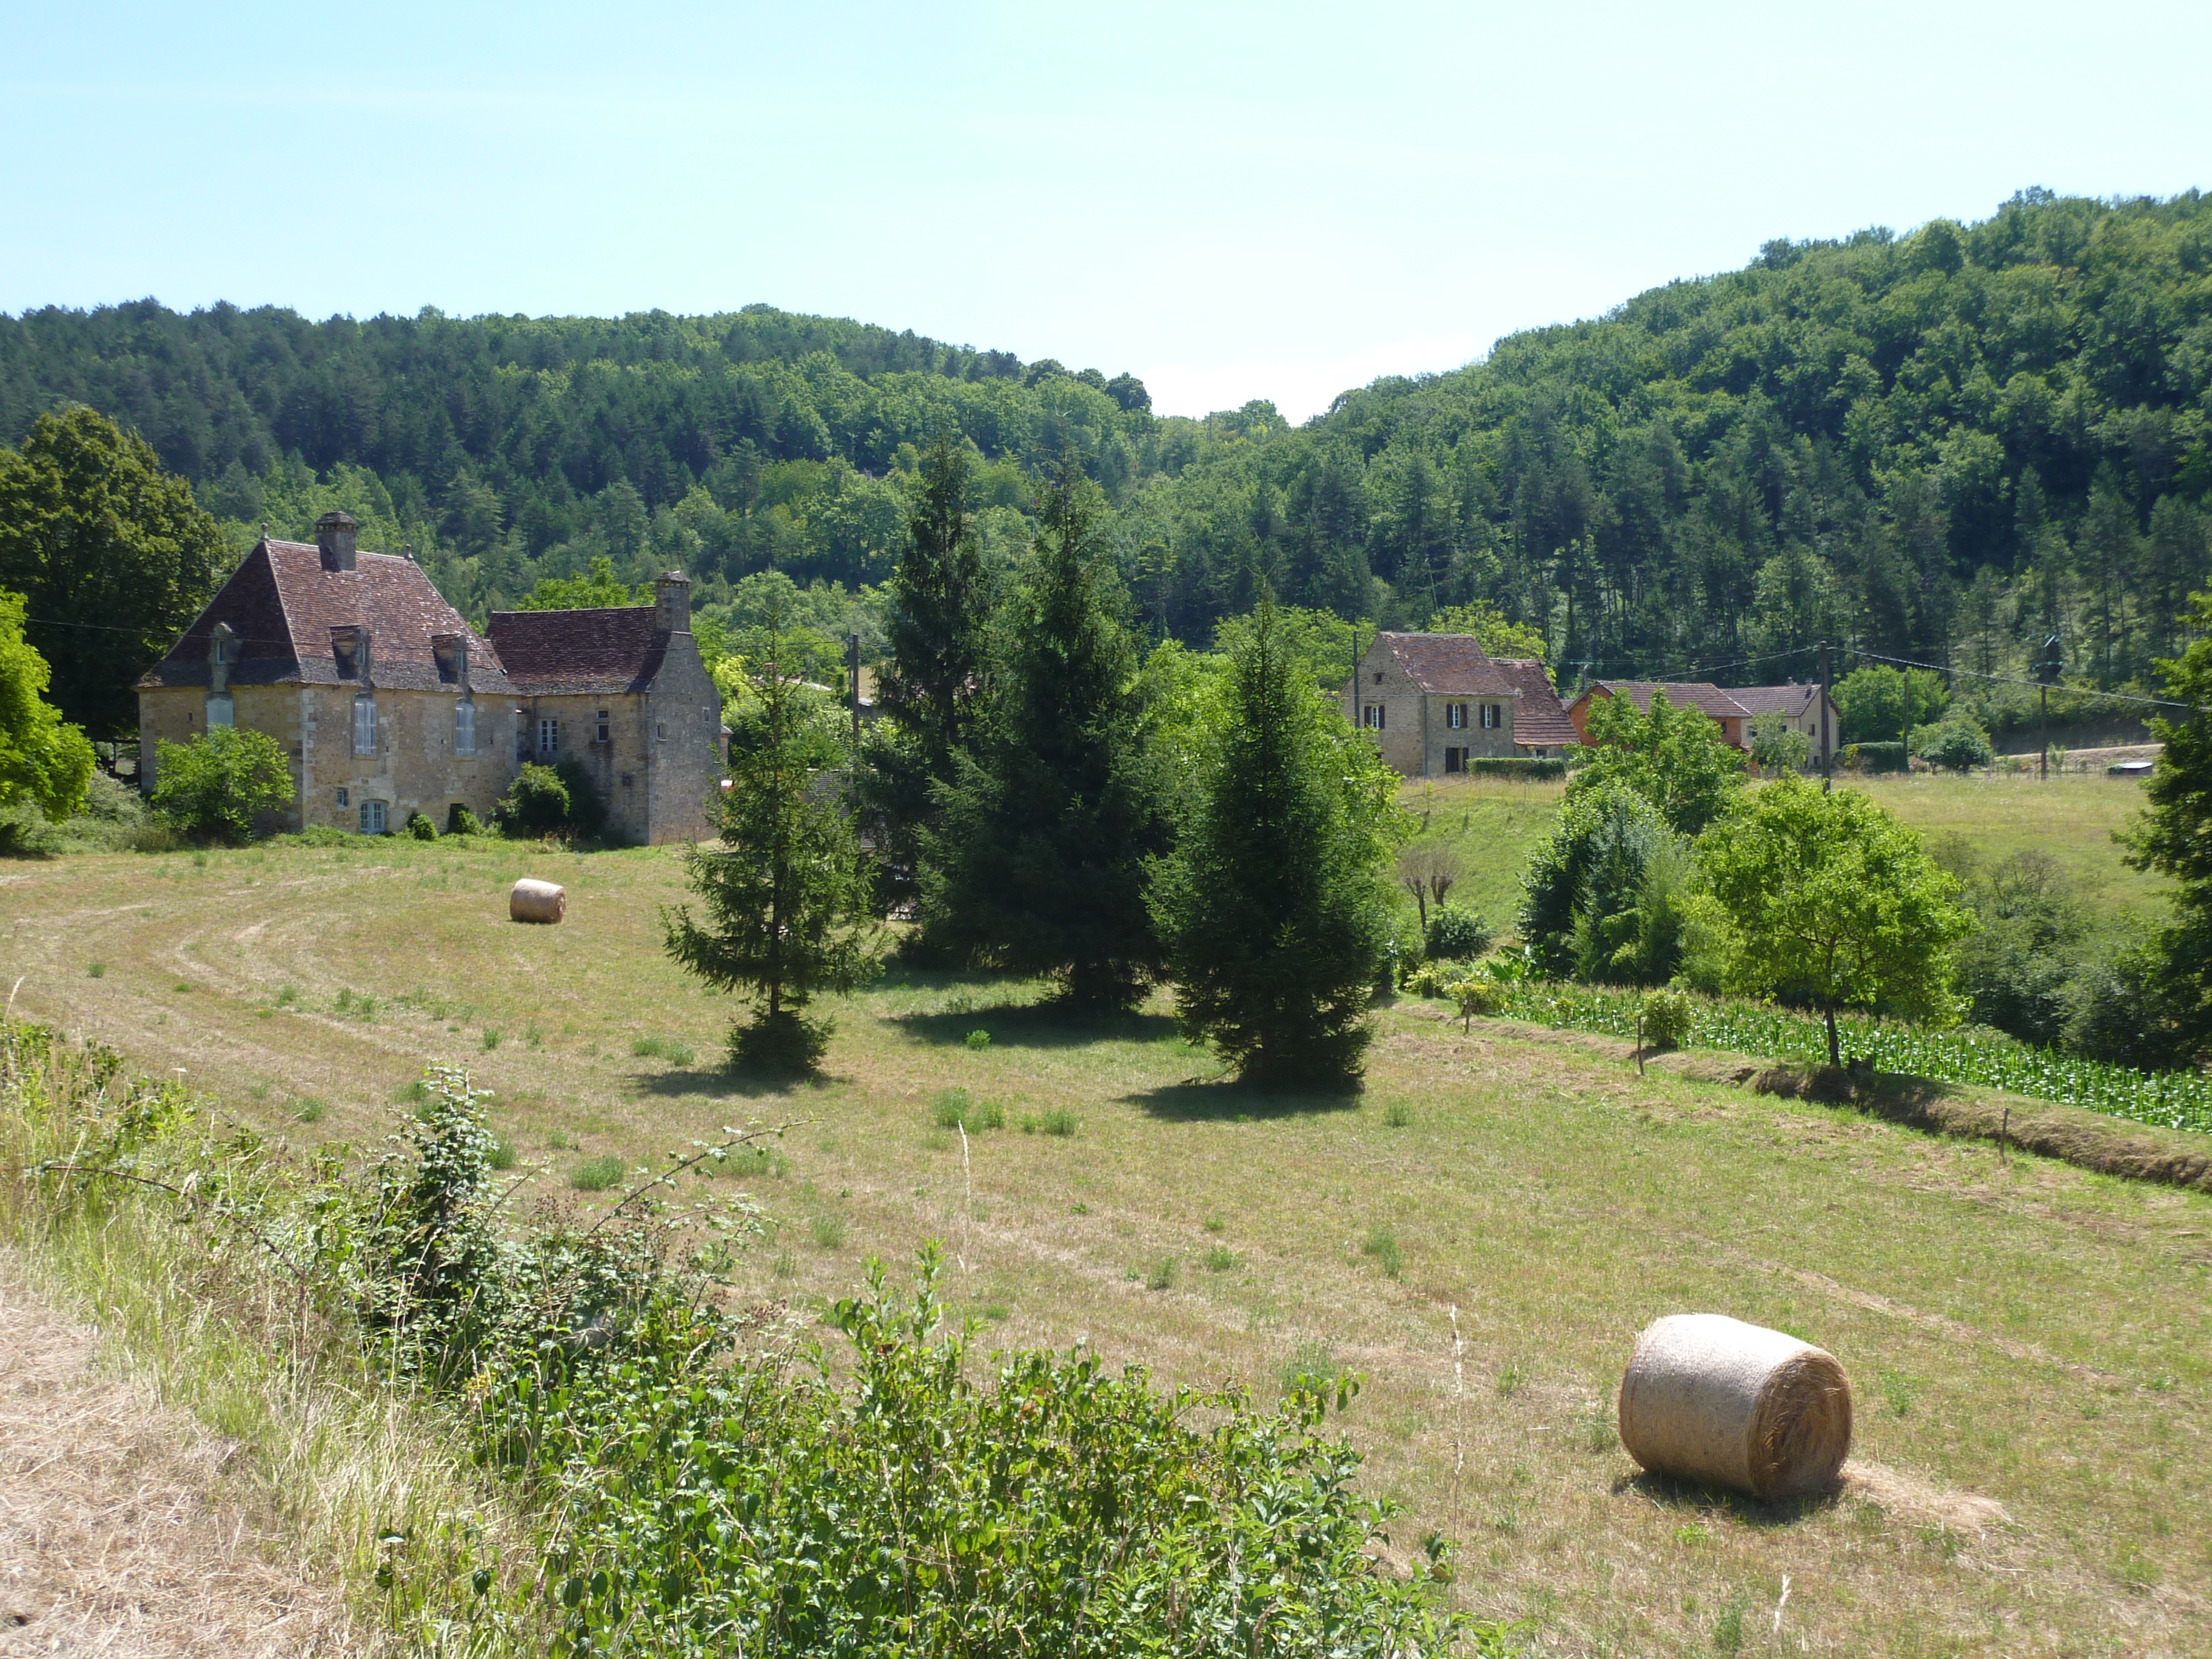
(682,1481)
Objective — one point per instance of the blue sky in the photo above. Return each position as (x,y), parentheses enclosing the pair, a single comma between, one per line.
(1233,201)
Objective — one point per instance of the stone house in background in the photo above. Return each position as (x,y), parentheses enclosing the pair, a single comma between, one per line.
(1734,708)
(389,703)
(1435,702)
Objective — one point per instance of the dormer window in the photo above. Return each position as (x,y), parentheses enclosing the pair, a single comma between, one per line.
(451,653)
(350,645)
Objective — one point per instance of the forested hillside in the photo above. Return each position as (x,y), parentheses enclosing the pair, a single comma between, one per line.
(1941,447)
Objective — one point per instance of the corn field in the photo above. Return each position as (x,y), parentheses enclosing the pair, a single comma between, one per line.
(1969,1055)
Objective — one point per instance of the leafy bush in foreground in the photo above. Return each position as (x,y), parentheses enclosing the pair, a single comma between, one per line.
(692,1490)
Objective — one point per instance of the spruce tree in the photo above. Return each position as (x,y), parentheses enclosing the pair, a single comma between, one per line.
(937,620)
(1274,907)
(1037,864)
(786,891)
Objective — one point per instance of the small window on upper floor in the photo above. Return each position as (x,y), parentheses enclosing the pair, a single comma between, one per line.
(1378,677)
(1371,716)
(548,739)
(364,726)
(604,729)
(219,712)
(464,727)
(1493,717)
(1455,717)
(660,729)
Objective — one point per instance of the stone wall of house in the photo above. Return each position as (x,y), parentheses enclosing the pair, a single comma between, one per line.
(620,766)
(415,766)
(683,726)
(1414,737)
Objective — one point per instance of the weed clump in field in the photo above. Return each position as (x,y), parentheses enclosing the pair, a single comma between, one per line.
(596,1175)
(668,1048)
(1058,1121)
(954,1108)
(1382,1243)
(978,1040)
(95,971)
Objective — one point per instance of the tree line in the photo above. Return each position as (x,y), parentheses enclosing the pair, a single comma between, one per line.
(1942,448)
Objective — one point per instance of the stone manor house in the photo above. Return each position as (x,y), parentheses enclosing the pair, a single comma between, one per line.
(1433,701)
(389,703)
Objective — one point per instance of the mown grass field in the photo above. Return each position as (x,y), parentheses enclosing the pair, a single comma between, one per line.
(2031,1344)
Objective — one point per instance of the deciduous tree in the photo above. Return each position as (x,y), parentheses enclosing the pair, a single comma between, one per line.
(215,786)
(1827,899)
(1675,758)
(111,552)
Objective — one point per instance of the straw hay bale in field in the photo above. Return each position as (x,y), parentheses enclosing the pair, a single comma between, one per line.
(536,900)
(1709,1398)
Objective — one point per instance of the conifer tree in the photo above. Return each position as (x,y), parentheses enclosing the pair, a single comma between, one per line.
(1037,865)
(938,622)
(2174,838)
(786,891)
(1274,907)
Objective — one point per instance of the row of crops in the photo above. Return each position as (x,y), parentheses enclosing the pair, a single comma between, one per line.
(1970,1054)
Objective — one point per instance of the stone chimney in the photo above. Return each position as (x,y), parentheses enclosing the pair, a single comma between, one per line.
(334,538)
(671,602)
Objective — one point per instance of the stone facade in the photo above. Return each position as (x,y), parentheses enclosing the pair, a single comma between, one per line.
(389,704)
(1434,702)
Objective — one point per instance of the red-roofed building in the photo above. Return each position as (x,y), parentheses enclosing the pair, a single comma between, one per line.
(1734,708)
(389,703)
(1434,702)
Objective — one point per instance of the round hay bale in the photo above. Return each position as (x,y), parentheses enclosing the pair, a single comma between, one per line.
(1712,1399)
(536,900)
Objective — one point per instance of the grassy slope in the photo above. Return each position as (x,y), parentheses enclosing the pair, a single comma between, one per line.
(2036,1336)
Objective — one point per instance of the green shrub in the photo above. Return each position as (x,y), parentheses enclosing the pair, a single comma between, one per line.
(420,828)
(587,812)
(1874,756)
(536,803)
(1957,745)
(1060,1122)
(979,1040)
(459,821)
(1456,935)
(1666,1017)
(213,788)
(1477,994)
(1529,768)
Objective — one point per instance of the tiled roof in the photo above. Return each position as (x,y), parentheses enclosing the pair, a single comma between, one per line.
(578,653)
(1540,719)
(1448,665)
(1721,705)
(1790,700)
(282,605)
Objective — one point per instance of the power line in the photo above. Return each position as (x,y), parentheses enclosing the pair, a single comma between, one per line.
(2002,679)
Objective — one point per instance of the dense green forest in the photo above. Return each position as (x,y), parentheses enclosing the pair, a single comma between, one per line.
(1939,446)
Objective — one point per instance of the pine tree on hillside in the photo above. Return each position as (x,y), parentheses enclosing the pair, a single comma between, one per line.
(2174,838)
(938,622)
(1037,865)
(1274,907)
(786,891)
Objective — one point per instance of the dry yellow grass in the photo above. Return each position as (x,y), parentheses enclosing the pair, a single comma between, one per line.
(2029,1344)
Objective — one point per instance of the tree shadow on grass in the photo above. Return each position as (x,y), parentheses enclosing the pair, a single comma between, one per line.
(1229,1100)
(1693,1497)
(722,1082)
(1048,1024)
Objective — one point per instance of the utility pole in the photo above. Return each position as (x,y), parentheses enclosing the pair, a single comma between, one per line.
(1827,782)
(1355,676)
(853,682)
(2046,670)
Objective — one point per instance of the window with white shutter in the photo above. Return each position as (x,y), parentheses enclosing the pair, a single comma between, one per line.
(364,726)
